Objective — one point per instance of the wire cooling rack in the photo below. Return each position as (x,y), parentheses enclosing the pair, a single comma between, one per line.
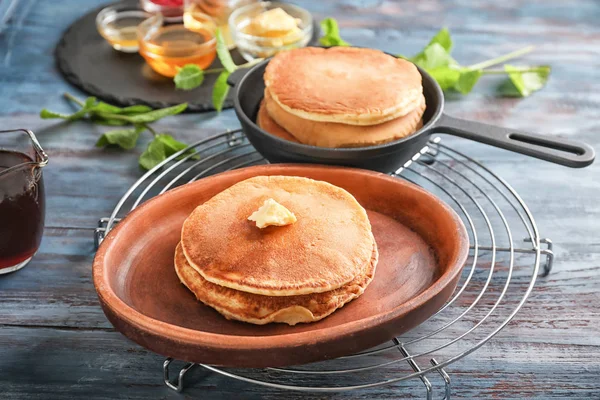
(504,261)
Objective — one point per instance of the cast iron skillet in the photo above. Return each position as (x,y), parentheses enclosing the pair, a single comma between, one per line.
(249,87)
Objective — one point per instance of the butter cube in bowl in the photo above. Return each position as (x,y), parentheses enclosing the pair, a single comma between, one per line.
(263,29)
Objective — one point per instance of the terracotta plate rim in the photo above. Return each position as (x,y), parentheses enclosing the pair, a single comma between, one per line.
(223,341)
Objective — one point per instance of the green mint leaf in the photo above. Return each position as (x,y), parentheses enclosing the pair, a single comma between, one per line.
(153,155)
(434,56)
(105,107)
(47,114)
(189,77)
(88,105)
(527,82)
(443,39)
(418,59)
(436,60)
(138,109)
(331,33)
(102,107)
(154,115)
(171,145)
(223,53)
(163,146)
(446,77)
(90,102)
(440,43)
(124,138)
(508,89)
(467,80)
(108,121)
(220,90)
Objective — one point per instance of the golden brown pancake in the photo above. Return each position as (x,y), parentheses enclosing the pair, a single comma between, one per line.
(332,134)
(258,309)
(264,121)
(327,247)
(343,84)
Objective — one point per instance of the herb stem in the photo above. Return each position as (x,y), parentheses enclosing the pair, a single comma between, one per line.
(74,99)
(501,59)
(245,65)
(519,70)
(150,129)
(214,70)
(251,63)
(114,116)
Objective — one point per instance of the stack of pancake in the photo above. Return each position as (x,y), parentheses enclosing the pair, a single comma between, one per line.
(341,97)
(300,272)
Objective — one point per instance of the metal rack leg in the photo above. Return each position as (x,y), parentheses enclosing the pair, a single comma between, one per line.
(100,231)
(234,138)
(445,377)
(177,385)
(548,252)
(415,368)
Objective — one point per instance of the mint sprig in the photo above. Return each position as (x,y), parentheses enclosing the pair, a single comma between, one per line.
(436,59)
(191,76)
(331,34)
(137,116)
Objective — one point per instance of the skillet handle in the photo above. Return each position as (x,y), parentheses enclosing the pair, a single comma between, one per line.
(570,153)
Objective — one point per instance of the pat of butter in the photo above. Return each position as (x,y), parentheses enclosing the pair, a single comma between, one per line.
(272,213)
(273,23)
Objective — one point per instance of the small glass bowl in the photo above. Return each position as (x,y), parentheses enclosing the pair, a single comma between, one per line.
(168,47)
(219,10)
(252,47)
(118,25)
(172,10)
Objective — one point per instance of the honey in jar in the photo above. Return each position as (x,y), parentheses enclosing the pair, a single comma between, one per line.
(118,25)
(168,48)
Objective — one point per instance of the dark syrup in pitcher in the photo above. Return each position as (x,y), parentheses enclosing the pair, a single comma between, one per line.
(22,209)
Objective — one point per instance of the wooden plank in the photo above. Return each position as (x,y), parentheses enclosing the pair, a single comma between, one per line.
(41,365)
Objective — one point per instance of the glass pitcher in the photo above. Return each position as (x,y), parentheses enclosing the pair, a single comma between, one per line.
(22,200)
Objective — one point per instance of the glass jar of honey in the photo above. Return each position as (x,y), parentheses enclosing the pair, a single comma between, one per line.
(168,47)
(219,10)
(118,25)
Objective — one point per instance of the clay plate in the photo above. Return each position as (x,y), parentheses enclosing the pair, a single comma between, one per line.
(422,248)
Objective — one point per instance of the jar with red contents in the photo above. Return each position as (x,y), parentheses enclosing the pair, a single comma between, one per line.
(172,10)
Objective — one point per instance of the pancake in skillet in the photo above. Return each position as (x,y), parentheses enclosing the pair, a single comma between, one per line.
(343,84)
(264,121)
(327,247)
(332,134)
(258,309)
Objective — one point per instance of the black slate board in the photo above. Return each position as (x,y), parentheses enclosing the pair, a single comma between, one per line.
(87,61)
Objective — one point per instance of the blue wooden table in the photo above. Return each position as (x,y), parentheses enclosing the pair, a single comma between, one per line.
(55,342)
